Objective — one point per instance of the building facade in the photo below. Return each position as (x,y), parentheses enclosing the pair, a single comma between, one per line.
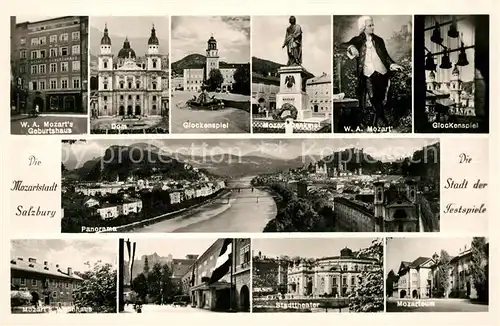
(319,90)
(330,276)
(50,65)
(195,76)
(48,284)
(129,85)
(264,90)
(222,293)
(419,278)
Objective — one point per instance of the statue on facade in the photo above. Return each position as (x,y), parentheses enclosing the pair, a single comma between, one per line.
(293,43)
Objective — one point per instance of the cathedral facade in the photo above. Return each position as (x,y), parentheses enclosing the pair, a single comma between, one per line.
(129,85)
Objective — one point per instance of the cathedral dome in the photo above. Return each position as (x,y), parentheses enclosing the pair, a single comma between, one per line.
(126,51)
(105,40)
(153,40)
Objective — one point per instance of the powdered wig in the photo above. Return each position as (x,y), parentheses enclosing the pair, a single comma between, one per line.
(362,23)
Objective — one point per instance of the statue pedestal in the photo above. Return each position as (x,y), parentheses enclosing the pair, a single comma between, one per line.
(291,81)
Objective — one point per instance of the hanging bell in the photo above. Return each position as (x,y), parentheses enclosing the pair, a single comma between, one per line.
(462,57)
(453,31)
(429,63)
(436,35)
(445,61)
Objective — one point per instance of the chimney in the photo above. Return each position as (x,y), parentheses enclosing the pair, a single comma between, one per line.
(32,260)
(70,271)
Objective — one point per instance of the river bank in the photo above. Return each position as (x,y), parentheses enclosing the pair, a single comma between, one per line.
(141,224)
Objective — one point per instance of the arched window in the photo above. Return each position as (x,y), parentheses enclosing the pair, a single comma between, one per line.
(154,63)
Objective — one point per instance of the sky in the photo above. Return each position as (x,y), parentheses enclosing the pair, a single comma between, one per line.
(268,33)
(467,32)
(32,18)
(383,149)
(409,249)
(308,248)
(191,33)
(178,248)
(67,253)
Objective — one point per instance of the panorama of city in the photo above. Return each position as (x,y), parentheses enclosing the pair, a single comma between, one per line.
(349,185)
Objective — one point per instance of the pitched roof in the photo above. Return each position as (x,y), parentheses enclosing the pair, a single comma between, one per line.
(419,261)
(48,270)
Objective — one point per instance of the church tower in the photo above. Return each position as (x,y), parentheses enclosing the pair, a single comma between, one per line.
(212,57)
(154,60)
(411,191)
(455,85)
(105,56)
(431,81)
(378,205)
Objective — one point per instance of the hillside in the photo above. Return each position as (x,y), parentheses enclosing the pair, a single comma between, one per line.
(265,67)
(194,60)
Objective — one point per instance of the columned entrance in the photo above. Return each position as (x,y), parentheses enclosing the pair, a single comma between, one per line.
(137,110)
(129,110)
(122,110)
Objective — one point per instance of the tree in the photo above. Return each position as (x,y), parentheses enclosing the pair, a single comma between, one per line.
(241,83)
(20,298)
(443,275)
(368,294)
(140,286)
(97,290)
(479,267)
(63,168)
(215,79)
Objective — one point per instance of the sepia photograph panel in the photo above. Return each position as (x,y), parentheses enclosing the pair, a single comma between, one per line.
(251,185)
(291,74)
(318,275)
(372,68)
(129,75)
(211,74)
(48,75)
(63,276)
(452,74)
(184,275)
(437,274)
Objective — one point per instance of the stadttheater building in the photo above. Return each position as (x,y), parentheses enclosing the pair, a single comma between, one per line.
(333,276)
(129,85)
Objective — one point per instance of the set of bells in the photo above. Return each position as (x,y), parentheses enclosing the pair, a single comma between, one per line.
(445,60)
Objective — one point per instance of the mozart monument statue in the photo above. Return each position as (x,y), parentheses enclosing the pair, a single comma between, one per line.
(293,43)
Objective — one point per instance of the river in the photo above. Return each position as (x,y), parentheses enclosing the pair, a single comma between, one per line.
(246,211)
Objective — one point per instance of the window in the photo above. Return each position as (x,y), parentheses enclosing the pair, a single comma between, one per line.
(67,285)
(34,70)
(75,36)
(34,41)
(42,54)
(54,294)
(105,64)
(53,38)
(64,51)
(53,84)
(76,83)
(41,69)
(63,37)
(42,85)
(130,97)
(105,107)
(121,97)
(154,85)
(122,84)
(344,280)
(105,85)
(129,85)
(64,66)
(53,52)
(22,69)
(42,40)
(154,98)
(22,54)
(53,67)
(34,55)
(23,40)
(137,85)
(75,49)
(64,83)
(154,63)
(138,97)
(105,98)
(154,107)
(23,281)
(244,255)
(344,268)
(352,280)
(33,282)
(75,65)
